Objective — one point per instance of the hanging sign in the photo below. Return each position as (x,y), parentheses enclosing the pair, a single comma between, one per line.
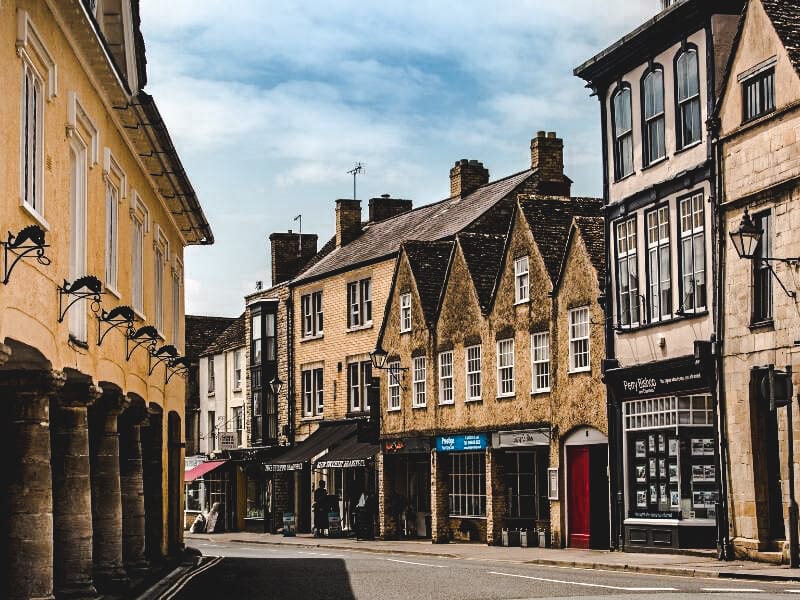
(227,440)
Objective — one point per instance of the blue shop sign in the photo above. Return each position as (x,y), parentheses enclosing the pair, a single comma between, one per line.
(456,443)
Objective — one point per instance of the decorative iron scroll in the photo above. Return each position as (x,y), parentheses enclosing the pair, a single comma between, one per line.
(29,241)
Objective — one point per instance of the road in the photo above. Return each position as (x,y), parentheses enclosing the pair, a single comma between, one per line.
(258,571)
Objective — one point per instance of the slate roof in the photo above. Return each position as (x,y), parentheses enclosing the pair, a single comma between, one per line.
(550,219)
(594,235)
(431,222)
(429,262)
(202,330)
(785,17)
(483,254)
(232,337)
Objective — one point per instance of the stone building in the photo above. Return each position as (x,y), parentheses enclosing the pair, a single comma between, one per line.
(98,211)
(759,161)
(657,87)
(476,439)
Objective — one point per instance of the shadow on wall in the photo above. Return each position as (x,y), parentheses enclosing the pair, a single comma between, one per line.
(278,579)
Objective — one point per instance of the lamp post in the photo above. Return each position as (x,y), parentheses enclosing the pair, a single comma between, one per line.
(378,358)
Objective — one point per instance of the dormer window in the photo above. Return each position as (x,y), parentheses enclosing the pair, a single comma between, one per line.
(653,116)
(687,111)
(623,133)
(521,279)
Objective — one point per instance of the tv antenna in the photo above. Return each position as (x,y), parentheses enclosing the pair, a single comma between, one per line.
(300,236)
(355,171)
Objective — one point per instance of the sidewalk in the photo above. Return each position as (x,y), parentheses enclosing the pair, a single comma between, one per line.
(656,564)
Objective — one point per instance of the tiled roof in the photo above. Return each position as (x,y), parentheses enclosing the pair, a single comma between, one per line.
(483,254)
(429,262)
(202,330)
(594,234)
(785,17)
(550,219)
(232,337)
(431,222)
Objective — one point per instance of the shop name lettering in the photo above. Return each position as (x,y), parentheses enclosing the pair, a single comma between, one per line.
(468,441)
(646,385)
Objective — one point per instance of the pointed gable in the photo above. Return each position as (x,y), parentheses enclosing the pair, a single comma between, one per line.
(429,262)
(483,254)
(592,230)
(785,17)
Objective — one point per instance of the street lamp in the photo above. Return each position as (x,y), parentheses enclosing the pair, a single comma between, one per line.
(747,238)
(276,385)
(378,357)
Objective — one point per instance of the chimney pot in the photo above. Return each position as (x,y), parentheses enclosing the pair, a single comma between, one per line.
(466,176)
(540,134)
(386,195)
(551,134)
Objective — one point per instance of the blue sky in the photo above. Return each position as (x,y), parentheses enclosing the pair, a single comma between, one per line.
(271,103)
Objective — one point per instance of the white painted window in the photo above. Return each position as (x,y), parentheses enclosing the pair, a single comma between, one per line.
(313,392)
(137,258)
(238,424)
(211,377)
(32,139)
(359,375)
(405,313)
(112,217)
(688,106)
(653,130)
(505,368)
(473,364)
(446,377)
(579,339)
(521,279)
(692,263)
(177,315)
(359,303)
(237,369)
(393,375)
(627,274)
(623,133)
(419,381)
(540,359)
(311,307)
(158,287)
(659,280)
(78,322)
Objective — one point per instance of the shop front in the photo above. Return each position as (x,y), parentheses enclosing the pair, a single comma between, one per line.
(209,483)
(668,454)
(407,487)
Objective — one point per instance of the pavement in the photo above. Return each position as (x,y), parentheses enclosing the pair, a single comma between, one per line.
(656,564)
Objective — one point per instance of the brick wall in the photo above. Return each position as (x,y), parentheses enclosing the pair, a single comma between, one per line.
(466,176)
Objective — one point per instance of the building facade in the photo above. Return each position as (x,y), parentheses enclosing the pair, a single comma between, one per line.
(98,213)
(758,156)
(657,87)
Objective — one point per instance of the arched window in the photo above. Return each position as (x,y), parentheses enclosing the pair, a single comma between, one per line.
(687,97)
(623,132)
(653,115)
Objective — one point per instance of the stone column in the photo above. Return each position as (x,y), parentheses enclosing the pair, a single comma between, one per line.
(152,463)
(132,485)
(26,538)
(440,498)
(72,494)
(109,574)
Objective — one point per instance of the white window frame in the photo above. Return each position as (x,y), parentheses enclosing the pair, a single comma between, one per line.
(695,236)
(505,368)
(689,101)
(659,284)
(358,386)
(359,304)
(311,315)
(177,313)
(653,116)
(112,236)
(419,398)
(312,391)
(473,362)
(140,218)
(211,379)
(576,339)
(521,280)
(159,260)
(237,369)
(405,312)
(627,240)
(446,395)
(467,490)
(237,417)
(393,375)
(540,362)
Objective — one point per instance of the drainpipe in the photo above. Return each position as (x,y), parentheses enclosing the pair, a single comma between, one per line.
(290,365)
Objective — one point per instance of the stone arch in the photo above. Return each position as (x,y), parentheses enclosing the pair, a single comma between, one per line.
(25,357)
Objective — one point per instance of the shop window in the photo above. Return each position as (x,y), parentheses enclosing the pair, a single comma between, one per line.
(540,359)
(627,274)
(405,313)
(505,368)
(255,498)
(521,279)
(467,484)
(693,254)
(762,273)
(393,374)
(579,339)
(446,377)
(419,382)
(659,300)
(526,484)
(473,361)
(359,376)
(671,457)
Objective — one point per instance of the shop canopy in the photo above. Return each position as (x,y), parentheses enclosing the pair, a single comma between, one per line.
(201,469)
(326,437)
(349,454)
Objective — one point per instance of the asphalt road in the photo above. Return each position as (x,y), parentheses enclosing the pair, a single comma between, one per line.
(256,571)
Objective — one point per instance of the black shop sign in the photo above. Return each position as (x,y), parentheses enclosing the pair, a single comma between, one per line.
(663,378)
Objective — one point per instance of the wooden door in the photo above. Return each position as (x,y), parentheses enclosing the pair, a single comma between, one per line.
(578,501)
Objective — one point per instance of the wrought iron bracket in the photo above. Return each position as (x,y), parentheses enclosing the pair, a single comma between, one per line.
(28,241)
(164,355)
(87,287)
(116,318)
(791,262)
(177,366)
(144,336)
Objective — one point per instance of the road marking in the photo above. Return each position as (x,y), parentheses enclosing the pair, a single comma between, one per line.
(792,591)
(731,590)
(181,583)
(593,585)
(408,562)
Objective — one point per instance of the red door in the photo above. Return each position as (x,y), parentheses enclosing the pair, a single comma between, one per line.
(578,495)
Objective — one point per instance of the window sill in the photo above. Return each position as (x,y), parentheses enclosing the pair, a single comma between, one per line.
(624,177)
(360,327)
(404,331)
(237,389)
(450,403)
(79,343)
(525,301)
(394,410)
(356,414)
(473,400)
(311,418)
(757,118)
(113,291)
(540,392)
(35,215)
(690,146)
(655,163)
(579,371)
(675,319)
(138,312)
(759,325)
(505,396)
(210,394)
(419,406)
(311,338)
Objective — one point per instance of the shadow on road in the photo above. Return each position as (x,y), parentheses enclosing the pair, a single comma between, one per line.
(272,578)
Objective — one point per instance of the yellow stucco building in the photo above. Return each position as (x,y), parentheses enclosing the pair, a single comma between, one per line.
(96,212)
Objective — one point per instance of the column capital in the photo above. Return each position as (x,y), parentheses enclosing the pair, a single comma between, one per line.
(112,401)
(77,393)
(31,382)
(136,414)
(5,354)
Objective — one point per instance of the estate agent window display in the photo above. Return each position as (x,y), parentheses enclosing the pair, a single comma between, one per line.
(671,472)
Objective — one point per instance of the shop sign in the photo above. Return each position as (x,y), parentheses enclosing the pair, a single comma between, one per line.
(463,442)
(227,440)
(521,437)
(341,464)
(276,468)
(661,379)
(414,445)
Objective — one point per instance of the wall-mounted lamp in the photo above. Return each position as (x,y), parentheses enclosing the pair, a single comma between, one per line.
(378,358)
(276,385)
(746,240)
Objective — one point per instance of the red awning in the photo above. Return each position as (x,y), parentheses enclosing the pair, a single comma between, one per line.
(202,469)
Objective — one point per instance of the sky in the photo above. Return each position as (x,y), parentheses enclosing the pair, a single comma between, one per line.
(270,103)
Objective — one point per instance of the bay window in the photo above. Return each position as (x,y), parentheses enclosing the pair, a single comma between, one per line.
(693,253)
(659,299)
(627,273)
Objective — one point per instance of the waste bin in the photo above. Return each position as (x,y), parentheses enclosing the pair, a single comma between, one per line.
(364,525)
(510,537)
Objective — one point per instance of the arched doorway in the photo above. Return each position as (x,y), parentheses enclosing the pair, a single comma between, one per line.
(585,456)
(174,484)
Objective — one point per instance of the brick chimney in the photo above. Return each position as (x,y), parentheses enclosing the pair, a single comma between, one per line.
(290,252)
(348,221)
(547,159)
(386,207)
(466,176)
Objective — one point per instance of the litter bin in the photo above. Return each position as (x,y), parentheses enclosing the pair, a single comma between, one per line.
(510,537)
(544,538)
(364,525)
